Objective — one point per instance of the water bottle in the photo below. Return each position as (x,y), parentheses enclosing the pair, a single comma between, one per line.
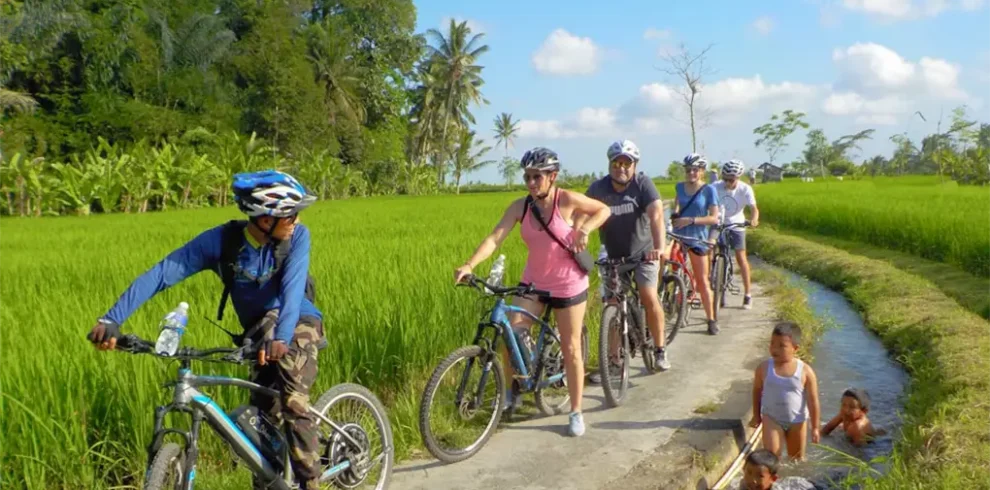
(496,273)
(173,326)
(525,342)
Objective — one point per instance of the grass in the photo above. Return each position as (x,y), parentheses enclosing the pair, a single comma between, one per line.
(706,408)
(77,418)
(969,290)
(945,348)
(917,215)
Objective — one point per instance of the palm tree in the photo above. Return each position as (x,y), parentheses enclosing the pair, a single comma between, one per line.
(458,78)
(505,130)
(333,62)
(467,157)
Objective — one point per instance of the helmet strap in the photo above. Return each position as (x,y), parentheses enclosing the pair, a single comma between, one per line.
(268,233)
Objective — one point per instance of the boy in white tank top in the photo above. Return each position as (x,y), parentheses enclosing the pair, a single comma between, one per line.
(785,394)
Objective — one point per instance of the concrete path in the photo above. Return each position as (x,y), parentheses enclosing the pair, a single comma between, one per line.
(538,454)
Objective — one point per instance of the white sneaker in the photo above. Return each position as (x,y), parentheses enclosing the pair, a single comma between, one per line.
(747,302)
(576,424)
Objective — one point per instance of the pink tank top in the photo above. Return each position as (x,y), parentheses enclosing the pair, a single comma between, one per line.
(548,265)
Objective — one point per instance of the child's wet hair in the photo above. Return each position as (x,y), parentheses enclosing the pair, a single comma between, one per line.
(790,330)
(764,458)
(860,395)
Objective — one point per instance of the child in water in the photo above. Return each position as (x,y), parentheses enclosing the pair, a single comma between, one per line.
(760,473)
(785,393)
(853,417)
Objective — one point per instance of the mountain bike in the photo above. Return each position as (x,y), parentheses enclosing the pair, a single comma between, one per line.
(350,448)
(615,329)
(679,292)
(721,273)
(466,418)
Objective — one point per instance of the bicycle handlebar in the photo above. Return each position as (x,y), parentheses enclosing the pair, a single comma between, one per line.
(137,345)
(622,261)
(728,226)
(481,284)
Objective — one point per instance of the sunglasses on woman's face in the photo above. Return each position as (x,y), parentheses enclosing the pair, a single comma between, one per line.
(535,177)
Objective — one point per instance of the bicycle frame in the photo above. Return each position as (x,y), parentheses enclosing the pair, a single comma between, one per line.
(190,400)
(187,398)
(498,320)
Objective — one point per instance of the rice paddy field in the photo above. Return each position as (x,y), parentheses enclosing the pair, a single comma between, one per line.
(917,215)
(73,417)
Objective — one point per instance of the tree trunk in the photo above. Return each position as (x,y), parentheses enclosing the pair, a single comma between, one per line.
(21,197)
(694,146)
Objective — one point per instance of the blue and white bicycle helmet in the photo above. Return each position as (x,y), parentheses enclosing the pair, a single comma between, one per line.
(695,160)
(540,158)
(732,168)
(270,193)
(623,147)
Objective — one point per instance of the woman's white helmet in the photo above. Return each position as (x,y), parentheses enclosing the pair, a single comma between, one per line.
(623,147)
(695,160)
(733,168)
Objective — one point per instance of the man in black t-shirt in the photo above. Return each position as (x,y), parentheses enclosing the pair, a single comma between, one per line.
(635,228)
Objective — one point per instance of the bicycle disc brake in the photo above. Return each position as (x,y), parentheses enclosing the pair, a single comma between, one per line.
(338,450)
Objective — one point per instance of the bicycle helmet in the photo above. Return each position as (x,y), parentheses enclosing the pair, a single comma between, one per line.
(695,160)
(732,168)
(542,159)
(270,193)
(623,147)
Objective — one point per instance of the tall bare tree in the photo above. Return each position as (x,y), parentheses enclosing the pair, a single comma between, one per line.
(690,70)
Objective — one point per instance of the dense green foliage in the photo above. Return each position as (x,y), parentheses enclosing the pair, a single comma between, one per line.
(136,106)
(961,152)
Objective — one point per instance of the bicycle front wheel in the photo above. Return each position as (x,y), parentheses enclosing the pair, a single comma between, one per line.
(718,284)
(462,404)
(361,415)
(673,299)
(167,468)
(613,356)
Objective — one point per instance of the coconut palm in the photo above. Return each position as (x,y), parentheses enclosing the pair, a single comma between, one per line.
(505,130)
(467,157)
(458,79)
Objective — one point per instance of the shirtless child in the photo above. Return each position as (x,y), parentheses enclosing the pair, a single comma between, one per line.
(853,417)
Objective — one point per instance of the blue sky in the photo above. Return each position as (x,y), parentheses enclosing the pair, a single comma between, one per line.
(581,74)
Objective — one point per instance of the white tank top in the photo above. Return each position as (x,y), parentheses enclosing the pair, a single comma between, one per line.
(783,397)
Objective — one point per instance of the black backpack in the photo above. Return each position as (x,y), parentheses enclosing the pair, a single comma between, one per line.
(232,239)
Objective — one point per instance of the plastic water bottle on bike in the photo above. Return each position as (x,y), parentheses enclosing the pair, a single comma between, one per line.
(497,273)
(172,328)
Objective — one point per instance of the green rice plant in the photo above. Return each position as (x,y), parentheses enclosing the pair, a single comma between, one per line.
(942,222)
(74,417)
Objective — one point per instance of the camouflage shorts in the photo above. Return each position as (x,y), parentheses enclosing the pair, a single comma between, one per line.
(293,376)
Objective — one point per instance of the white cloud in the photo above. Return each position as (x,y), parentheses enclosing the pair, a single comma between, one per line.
(879,86)
(563,53)
(588,121)
(871,65)
(895,10)
(653,33)
(763,25)
(725,99)
(475,26)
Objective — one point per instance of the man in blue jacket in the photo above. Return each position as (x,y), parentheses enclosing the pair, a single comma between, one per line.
(264,264)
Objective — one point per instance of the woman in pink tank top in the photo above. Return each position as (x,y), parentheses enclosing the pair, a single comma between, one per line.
(549,266)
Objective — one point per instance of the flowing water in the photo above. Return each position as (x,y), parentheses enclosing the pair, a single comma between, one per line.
(847,355)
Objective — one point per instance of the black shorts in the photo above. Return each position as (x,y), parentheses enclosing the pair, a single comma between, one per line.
(559,303)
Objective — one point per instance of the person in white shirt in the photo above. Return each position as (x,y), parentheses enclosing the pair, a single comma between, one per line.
(734,196)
